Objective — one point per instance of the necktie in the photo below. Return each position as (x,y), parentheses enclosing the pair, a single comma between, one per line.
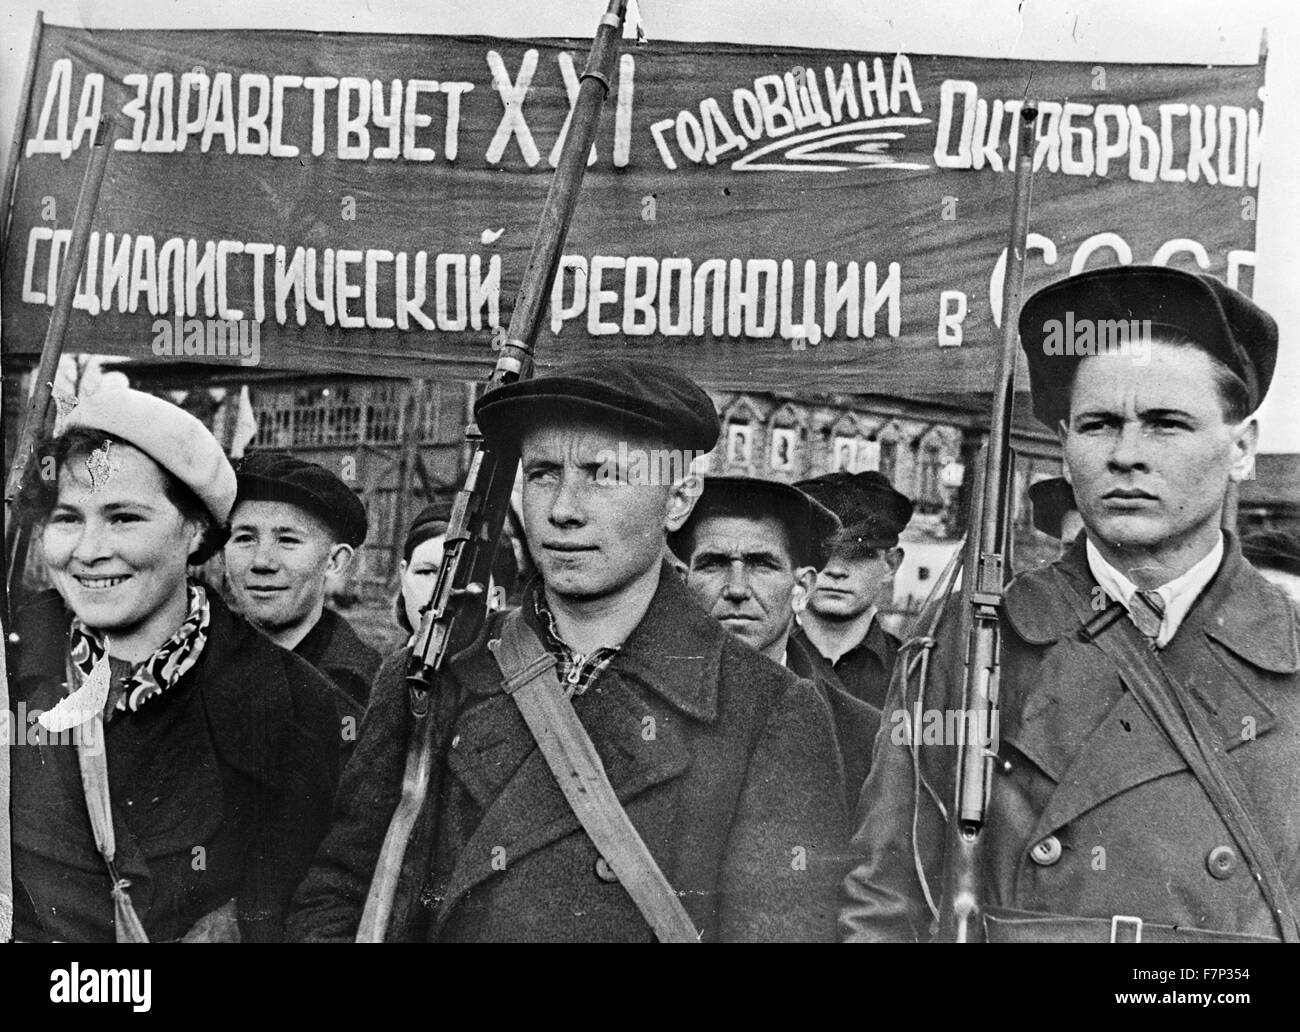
(1147,609)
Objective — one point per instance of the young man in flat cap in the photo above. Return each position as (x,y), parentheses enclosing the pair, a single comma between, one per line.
(294,525)
(1146,783)
(723,762)
(748,546)
(840,629)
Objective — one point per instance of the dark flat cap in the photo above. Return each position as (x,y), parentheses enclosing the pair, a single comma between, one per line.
(1222,322)
(1273,550)
(432,520)
(638,397)
(809,525)
(280,477)
(1051,499)
(872,511)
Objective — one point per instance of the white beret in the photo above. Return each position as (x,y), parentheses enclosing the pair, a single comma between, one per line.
(169,435)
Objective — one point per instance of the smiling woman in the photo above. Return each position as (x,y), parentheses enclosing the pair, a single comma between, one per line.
(212,746)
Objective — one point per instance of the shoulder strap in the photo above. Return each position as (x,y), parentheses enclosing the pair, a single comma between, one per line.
(528,672)
(1189,730)
(92,759)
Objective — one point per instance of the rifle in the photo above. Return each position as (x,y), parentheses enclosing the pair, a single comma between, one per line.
(37,414)
(983,582)
(455,613)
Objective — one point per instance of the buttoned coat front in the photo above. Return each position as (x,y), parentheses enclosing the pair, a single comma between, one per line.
(1093,812)
(725,762)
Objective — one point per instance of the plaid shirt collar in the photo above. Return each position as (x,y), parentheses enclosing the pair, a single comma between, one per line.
(575,671)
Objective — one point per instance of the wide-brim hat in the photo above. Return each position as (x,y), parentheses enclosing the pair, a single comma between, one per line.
(809,525)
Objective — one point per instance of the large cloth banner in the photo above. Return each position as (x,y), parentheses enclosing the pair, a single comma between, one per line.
(766,218)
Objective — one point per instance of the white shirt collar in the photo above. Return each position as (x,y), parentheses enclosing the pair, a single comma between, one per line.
(1178,594)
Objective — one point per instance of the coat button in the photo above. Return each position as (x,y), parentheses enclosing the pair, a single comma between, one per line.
(1222,861)
(604,872)
(1046,852)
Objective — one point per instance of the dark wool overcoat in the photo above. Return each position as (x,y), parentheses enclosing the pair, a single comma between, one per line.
(334,648)
(221,788)
(725,762)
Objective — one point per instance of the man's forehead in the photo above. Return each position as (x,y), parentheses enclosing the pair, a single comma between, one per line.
(558,437)
(742,533)
(1175,377)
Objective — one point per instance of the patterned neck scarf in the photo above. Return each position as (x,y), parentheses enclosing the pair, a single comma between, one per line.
(575,671)
(170,661)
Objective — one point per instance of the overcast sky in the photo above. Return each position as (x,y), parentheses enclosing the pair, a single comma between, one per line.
(1157,31)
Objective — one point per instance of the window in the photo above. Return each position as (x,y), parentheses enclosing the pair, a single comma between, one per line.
(888,459)
(783,448)
(844,454)
(740,443)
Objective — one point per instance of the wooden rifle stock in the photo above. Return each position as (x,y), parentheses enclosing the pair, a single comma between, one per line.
(986,570)
(457,609)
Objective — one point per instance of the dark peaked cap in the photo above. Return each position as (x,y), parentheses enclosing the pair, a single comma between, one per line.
(1051,499)
(872,511)
(809,525)
(279,477)
(1273,550)
(641,398)
(1222,322)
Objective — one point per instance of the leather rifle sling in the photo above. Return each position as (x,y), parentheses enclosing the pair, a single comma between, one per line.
(530,679)
(1188,729)
(92,759)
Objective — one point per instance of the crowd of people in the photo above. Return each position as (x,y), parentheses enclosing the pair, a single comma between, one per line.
(240,750)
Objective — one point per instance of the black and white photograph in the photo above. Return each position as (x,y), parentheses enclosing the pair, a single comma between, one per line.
(629,471)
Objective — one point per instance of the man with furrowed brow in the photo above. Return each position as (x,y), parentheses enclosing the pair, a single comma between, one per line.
(1146,786)
(724,763)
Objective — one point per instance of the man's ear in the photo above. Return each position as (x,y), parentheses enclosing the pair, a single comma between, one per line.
(340,558)
(682,497)
(894,559)
(1245,440)
(804,579)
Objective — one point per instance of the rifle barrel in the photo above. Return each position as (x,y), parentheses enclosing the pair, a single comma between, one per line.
(983,582)
(52,350)
(456,611)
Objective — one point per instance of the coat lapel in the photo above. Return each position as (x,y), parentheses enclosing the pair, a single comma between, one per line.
(1125,748)
(498,762)
(529,811)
